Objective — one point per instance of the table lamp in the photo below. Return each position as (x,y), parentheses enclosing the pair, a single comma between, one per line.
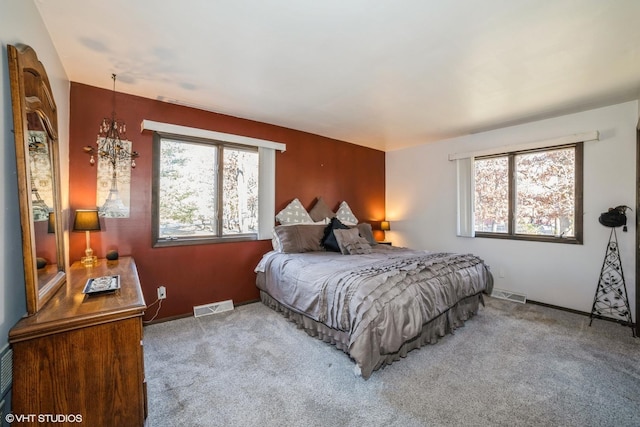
(385,226)
(87,220)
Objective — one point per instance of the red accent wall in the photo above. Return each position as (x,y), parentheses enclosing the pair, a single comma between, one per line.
(312,166)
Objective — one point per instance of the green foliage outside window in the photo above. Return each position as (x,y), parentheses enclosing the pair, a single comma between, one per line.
(196,201)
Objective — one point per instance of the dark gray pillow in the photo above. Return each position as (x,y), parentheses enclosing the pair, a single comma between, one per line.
(300,238)
(365,230)
(321,211)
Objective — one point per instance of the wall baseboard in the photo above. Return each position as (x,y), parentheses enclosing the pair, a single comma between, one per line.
(583,313)
(182,316)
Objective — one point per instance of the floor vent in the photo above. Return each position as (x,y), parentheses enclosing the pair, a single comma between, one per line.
(508,295)
(215,308)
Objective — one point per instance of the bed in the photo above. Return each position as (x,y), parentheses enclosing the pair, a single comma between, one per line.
(375,302)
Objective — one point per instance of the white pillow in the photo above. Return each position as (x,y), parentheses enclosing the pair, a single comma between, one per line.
(275,243)
(345,215)
(293,213)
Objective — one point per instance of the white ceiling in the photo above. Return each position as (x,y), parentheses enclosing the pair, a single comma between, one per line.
(383,74)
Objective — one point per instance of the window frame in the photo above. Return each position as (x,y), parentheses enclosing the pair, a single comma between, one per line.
(578,197)
(158,241)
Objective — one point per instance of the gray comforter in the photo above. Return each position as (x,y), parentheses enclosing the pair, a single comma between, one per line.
(380,300)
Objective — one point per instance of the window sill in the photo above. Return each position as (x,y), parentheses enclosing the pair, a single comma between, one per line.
(530,238)
(163,243)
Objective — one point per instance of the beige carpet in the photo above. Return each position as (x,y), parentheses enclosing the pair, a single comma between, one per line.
(511,365)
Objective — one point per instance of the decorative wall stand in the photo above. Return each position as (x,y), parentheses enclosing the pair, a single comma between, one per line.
(611,293)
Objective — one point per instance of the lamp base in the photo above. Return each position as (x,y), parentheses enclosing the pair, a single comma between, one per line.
(89,261)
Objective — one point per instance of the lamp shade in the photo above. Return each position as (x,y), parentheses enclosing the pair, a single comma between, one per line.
(51,225)
(385,226)
(86,220)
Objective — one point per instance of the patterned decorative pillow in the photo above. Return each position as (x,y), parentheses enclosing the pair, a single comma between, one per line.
(320,211)
(293,213)
(345,215)
(351,243)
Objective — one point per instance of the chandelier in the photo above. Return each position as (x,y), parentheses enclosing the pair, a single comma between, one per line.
(111,148)
(109,143)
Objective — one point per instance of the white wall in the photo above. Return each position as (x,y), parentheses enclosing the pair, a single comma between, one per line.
(421,203)
(20,22)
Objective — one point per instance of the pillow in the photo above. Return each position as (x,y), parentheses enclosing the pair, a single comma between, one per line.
(351,243)
(343,236)
(329,240)
(321,211)
(293,213)
(358,247)
(345,215)
(275,242)
(365,230)
(298,238)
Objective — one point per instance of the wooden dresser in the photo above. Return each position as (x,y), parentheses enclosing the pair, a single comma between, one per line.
(83,355)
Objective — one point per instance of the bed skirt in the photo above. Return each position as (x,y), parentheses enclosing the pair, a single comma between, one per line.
(444,324)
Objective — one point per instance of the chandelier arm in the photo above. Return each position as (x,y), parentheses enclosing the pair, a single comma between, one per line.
(110,134)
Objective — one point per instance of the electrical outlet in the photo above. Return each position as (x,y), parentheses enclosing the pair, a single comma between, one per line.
(162,292)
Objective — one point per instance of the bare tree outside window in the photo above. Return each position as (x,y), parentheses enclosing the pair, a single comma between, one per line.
(532,195)
(492,194)
(240,196)
(545,193)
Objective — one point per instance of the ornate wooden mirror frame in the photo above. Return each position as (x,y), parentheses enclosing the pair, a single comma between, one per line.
(35,124)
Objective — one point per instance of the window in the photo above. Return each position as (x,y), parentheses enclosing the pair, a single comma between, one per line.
(531,195)
(208,191)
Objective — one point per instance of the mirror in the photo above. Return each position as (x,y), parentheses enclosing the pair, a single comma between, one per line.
(35,125)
